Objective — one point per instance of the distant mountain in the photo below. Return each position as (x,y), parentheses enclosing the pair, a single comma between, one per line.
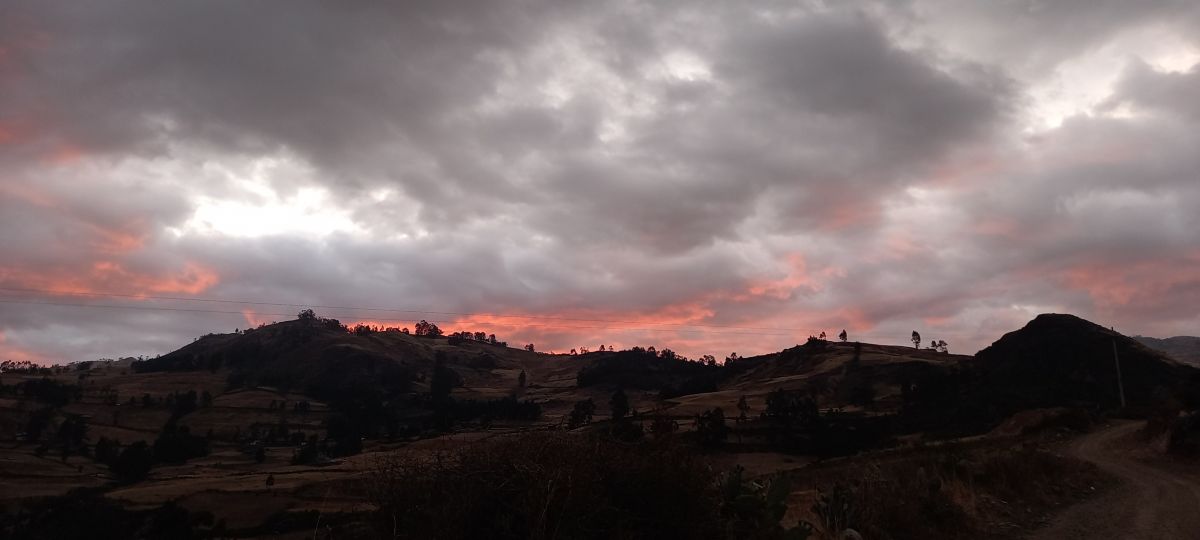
(1182,348)
(1062,359)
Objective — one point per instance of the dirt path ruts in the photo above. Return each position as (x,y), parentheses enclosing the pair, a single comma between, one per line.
(1151,503)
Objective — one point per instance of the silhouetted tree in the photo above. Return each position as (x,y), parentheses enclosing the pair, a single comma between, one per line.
(581,413)
(306,315)
(916,339)
(710,428)
(71,434)
(428,329)
(37,423)
(529,347)
(134,462)
(619,404)
(176,444)
(842,336)
(105,451)
(346,432)
(442,382)
(743,409)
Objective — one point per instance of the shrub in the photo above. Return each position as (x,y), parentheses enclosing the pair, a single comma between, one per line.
(1185,435)
(134,462)
(176,444)
(710,428)
(581,413)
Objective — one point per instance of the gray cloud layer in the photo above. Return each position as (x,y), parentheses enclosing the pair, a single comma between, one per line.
(867,166)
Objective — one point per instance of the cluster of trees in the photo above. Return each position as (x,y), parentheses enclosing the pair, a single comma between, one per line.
(44,390)
(310,317)
(447,411)
(585,350)
(647,369)
(479,337)
(711,430)
(581,413)
(70,436)
(300,405)
(426,329)
(795,423)
(24,367)
(271,434)
(175,444)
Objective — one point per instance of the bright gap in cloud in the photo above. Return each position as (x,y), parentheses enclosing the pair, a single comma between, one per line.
(310,212)
(1077,86)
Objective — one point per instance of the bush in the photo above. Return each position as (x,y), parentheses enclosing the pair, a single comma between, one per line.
(1185,436)
(711,430)
(134,462)
(581,413)
(176,444)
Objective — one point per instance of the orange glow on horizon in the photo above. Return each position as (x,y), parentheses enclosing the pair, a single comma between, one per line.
(9,352)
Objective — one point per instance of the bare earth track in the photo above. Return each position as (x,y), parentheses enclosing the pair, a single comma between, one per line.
(1152,502)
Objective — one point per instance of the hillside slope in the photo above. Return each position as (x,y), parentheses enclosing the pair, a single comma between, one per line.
(1185,349)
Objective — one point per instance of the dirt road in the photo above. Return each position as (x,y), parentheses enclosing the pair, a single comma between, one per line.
(1152,503)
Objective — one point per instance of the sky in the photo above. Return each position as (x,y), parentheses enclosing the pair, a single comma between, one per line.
(710,177)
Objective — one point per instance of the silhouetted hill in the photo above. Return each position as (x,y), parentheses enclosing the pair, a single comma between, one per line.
(820,359)
(1185,349)
(320,358)
(1065,360)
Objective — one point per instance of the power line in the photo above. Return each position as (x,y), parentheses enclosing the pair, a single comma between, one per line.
(226,312)
(675,327)
(387,310)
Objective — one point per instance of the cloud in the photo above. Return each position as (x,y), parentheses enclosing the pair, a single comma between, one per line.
(712,177)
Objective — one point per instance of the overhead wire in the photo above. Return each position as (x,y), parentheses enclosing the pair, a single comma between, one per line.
(276,314)
(610,323)
(386,310)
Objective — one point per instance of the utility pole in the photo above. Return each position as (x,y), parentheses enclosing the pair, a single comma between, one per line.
(1120,385)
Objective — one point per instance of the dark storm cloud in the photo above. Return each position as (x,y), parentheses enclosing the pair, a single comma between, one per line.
(781,165)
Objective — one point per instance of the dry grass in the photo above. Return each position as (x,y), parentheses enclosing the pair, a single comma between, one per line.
(975,491)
